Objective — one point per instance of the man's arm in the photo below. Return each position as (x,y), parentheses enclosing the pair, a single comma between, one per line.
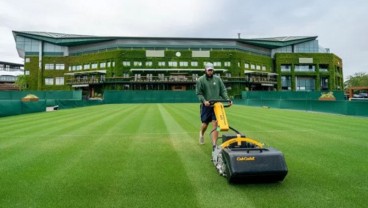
(199,91)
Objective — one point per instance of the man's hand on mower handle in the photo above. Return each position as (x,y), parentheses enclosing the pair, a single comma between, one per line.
(208,103)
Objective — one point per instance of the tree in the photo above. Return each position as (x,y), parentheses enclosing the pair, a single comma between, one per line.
(21,82)
(359,79)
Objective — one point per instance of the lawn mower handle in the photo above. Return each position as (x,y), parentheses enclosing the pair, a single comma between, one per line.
(221,101)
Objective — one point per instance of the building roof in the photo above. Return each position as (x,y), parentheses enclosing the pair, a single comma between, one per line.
(11,64)
(277,42)
(60,38)
(73,40)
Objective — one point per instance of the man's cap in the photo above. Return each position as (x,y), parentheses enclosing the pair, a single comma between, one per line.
(209,66)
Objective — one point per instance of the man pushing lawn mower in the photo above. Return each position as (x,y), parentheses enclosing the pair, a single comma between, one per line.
(209,87)
(238,158)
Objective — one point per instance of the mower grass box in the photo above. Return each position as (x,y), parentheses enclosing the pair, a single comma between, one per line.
(242,159)
(251,165)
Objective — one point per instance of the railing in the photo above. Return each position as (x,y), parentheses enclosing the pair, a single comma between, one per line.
(156,79)
(11,69)
(262,80)
(85,81)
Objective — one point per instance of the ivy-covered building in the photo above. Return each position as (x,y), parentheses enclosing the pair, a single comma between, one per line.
(54,61)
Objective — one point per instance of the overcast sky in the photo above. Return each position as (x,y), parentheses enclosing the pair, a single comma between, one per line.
(341,25)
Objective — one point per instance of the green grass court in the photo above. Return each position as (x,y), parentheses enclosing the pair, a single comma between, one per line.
(147,155)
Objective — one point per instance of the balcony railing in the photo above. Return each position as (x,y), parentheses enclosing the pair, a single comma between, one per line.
(85,81)
(156,79)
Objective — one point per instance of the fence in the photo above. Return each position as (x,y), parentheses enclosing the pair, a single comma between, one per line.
(306,101)
(150,96)
(11,104)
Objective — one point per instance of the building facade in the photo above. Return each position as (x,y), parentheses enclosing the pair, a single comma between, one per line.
(8,75)
(55,61)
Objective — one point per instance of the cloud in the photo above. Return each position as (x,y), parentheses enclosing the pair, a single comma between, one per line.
(338,24)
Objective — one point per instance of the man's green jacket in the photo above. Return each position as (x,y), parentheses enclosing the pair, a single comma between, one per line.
(210,88)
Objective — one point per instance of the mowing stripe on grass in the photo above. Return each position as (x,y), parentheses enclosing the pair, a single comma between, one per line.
(207,183)
(130,155)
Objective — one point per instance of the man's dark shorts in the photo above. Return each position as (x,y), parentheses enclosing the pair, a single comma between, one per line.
(207,114)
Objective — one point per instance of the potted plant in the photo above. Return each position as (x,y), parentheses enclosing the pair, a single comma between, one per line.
(327,96)
(30,98)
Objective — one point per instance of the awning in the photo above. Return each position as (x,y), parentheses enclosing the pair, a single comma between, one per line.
(272,74)
(86,72)
(174,70)
(248,72)
(260,72)
(80,85)
(267,85)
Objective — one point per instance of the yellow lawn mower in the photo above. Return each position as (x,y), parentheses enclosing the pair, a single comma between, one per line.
(241,159)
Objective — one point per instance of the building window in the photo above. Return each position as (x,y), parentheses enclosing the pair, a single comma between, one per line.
(183,63)
(137,77)
(285,67)
(194,63)
(149,77)
(86,66)
(149,63)
(286,82)
(109,64)
(161,77)
(304,68)
(252,66)
(126,63)
(59,66)
(49,66)
(218,64)
(126,75)
(137,63)
(227,63)
(228,75)
(305,83)
(8,78)
(94,66)
(161,63)
(26,72)
(263,68)
(323,68)
(59,80)
(49,81)
(258,67)
(246,65)
(324,83)
(173,63)
(102,65)
(28,60)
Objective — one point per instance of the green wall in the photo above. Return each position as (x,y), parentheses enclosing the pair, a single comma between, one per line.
(235,57)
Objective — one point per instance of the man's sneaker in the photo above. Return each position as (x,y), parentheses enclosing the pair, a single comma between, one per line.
(201,138)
